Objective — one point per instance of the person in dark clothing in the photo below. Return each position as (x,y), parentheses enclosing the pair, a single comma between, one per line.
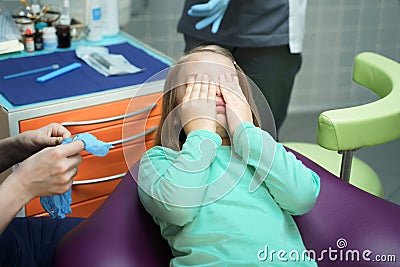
(45,168)
(264,36)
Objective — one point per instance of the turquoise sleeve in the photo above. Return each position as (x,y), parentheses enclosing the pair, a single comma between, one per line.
(293,186)
(172,184)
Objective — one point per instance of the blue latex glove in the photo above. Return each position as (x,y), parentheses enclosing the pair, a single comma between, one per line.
(92,145)
(213,10)
(60,205)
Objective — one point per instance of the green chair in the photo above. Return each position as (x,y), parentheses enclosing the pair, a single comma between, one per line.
(348,129)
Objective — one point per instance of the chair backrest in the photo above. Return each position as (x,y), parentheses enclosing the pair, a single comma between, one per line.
(369,124)
(349,221)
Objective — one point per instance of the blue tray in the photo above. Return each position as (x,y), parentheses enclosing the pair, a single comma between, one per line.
(25,90)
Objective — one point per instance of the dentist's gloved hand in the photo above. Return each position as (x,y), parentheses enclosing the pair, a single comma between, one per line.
(213,11)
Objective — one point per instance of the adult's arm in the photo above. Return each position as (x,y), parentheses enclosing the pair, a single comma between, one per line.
(45,173)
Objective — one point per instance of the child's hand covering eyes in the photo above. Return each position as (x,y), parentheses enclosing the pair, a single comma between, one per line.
(237,107)
(198,109)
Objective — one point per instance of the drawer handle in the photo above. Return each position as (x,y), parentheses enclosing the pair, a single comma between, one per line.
(99,180)
(117,142)
(109,178)
(137,112)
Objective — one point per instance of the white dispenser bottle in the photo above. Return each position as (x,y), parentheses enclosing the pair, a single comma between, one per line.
(93,20)
(110,17)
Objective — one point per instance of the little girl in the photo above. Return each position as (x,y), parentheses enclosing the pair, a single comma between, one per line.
(222,190)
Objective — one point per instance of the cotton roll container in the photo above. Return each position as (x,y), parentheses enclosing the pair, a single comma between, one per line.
(50,41)
(110,17)
(93,20)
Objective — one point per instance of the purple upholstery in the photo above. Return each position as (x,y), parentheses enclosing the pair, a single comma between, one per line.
(343,211)
(120,233)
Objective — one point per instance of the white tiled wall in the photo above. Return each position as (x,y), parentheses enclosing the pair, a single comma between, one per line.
(154,22)
(336,31)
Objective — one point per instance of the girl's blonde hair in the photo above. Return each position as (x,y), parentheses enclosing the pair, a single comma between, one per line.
(170,129)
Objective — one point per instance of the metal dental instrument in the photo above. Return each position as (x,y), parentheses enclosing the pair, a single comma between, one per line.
(29,72)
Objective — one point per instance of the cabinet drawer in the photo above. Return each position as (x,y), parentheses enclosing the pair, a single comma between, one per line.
(134,132)
(97,176)
(85,209)
(95,117)
(82,210)
(34,208)
(131,121)
(114,163)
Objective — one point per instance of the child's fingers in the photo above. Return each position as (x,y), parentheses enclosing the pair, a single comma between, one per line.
(235,80)
(196,88)
(204,87)
(228,77)
(222,81)
(212,91)
(236,84)
(189,88)
(226,91)
(230,88)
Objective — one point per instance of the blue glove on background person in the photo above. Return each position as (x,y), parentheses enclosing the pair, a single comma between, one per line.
(213,10)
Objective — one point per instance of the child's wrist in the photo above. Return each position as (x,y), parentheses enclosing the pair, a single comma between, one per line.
(206,134)
(241,127)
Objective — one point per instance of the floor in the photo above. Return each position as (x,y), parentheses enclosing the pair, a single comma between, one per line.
(302,127)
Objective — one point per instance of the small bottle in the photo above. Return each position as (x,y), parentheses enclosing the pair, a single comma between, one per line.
(64,36)
(65,18)
(49,38)
(39,35)
(93,20)
(38,41)
(29,42)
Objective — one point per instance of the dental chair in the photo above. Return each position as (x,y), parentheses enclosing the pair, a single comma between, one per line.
(346,227)
(349,129)
(122,234)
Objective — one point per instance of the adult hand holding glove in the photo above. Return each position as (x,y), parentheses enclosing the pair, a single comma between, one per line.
(213,11)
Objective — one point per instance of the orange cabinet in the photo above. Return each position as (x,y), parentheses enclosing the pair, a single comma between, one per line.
(123,111)
(128,124)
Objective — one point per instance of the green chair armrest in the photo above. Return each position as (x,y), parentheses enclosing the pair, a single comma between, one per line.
(369,124)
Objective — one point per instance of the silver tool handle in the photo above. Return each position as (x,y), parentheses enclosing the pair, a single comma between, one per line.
(135,113)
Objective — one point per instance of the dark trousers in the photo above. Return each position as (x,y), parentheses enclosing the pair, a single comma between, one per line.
(31,241)
(273,70)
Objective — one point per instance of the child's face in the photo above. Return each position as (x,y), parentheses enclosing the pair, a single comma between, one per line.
(212,65)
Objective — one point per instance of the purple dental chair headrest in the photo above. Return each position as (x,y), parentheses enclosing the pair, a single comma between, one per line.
(346,227)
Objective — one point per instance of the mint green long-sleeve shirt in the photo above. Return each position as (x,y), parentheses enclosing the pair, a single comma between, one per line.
(229,205)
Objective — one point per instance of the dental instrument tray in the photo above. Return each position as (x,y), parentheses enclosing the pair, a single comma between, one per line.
(25,90)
